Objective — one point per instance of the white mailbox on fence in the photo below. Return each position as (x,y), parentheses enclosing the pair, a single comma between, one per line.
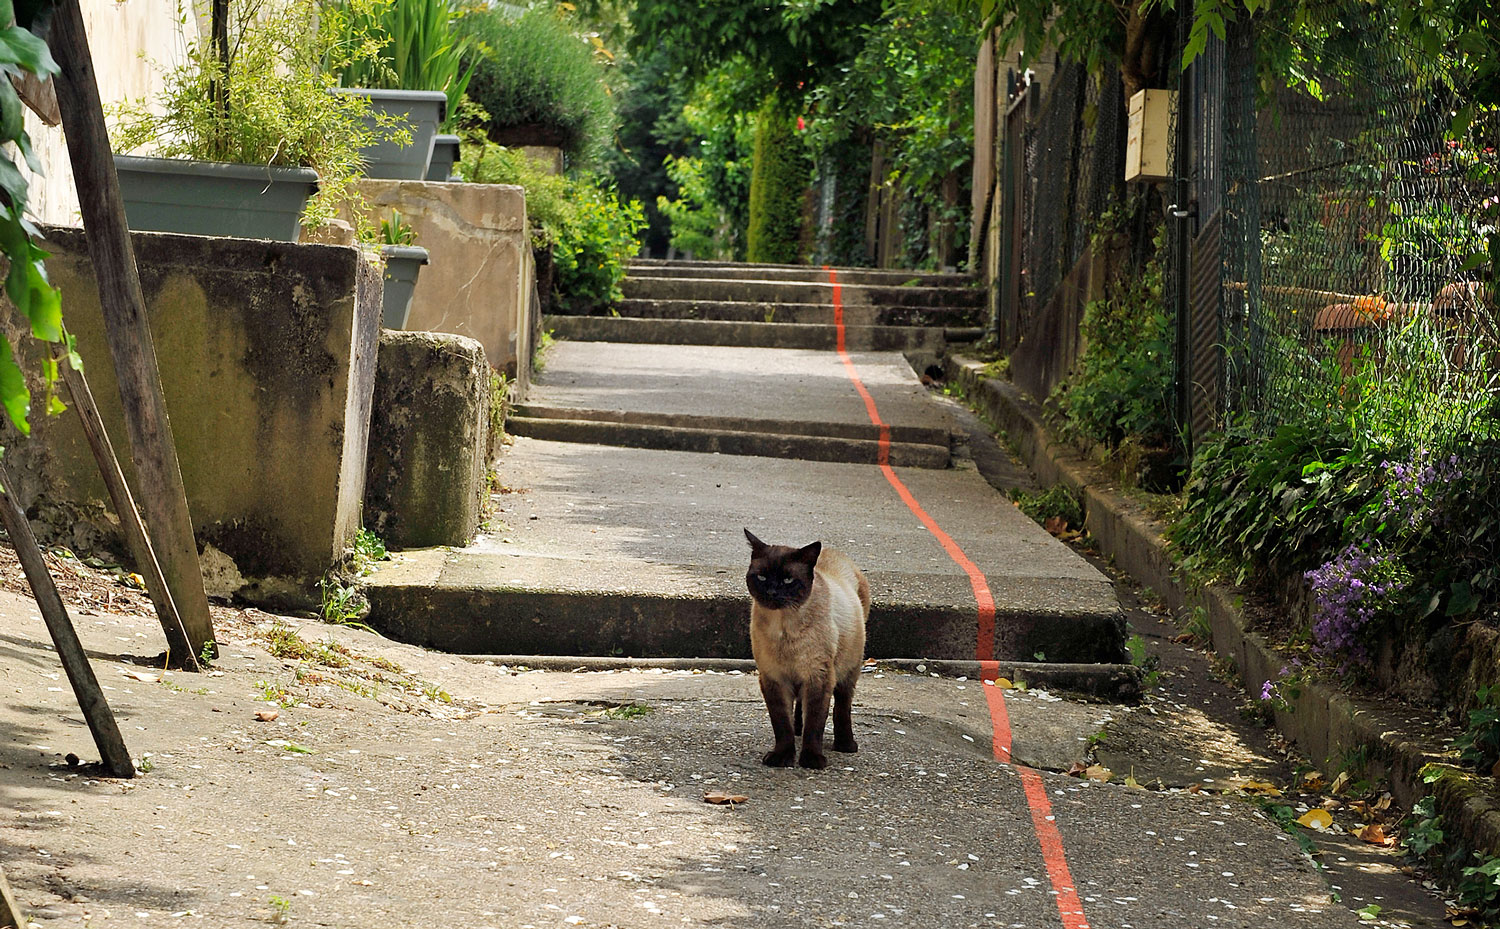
(1147,154)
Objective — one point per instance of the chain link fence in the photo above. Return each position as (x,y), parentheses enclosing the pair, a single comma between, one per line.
(1350,231)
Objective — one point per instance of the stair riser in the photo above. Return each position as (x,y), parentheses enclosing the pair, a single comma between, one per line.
(758,444)
(777,292)
(528,622)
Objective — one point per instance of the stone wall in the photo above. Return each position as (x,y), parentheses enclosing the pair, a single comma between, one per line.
(267,355)
(480,276)
(429,440)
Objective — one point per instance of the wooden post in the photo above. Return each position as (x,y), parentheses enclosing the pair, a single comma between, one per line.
(179,649)
(162,497)
(75,662)
(11,916)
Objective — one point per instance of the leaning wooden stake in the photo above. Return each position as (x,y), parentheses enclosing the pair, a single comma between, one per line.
(11,916)
(179,648)
(69,650)
(162,497)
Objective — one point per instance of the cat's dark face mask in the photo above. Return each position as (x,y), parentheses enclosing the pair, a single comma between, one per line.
(780,576)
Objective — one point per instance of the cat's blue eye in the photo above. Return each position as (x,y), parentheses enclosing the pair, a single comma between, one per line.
(760,577)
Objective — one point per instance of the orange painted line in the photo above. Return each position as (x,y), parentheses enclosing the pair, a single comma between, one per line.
(1069,907)
(985,644)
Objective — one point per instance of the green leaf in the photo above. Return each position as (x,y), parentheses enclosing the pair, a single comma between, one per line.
(1461,599)
(12,112)
(13,391)
(18,46)
(11,180)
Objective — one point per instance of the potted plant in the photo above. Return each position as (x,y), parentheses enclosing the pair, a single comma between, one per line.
(403,261)
(242,140)
(415,73)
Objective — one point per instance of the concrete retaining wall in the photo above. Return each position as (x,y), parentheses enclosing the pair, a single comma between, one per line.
(480,278)
(267,355)
(429,438)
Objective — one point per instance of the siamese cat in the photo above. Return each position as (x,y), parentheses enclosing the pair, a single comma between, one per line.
(807,632)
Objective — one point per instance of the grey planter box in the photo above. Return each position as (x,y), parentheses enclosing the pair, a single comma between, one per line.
(212,198)
(402,264)
(424,110)
(444,155)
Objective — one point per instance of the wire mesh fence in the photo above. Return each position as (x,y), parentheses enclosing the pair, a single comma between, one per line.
(1352,230)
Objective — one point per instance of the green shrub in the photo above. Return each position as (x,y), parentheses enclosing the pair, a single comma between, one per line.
(278,111)
(592,234)
(778,182)
(1122,385)
(533,73)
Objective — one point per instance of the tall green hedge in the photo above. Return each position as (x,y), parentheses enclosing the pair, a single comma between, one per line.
(778,185)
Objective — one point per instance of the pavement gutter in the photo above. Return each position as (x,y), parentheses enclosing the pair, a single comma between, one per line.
(1405,744)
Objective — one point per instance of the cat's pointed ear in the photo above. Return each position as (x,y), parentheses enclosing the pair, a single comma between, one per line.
(810,553)
(756,545)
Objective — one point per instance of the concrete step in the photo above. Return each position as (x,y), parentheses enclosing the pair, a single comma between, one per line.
(747,311)
(774,272)
(772,291)
(602,551)
(768,440)
(915,434)
(750,335)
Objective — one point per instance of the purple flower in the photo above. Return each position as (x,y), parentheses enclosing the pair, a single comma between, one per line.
(1348,592)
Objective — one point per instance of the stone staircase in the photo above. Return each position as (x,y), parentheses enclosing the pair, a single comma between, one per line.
(784,306)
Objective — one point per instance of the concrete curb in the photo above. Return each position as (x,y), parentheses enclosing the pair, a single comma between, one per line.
(1330,726)
(1114,683)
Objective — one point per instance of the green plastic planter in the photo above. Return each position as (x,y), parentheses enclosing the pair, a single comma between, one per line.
(444,155)
(423,109)
(212,198)
(402,264)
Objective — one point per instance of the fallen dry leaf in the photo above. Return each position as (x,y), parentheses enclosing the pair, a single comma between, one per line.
(1315,819)
(144,676)
(719,798)
(1314,780)
(1055,525)
(1381,805)
(1004,683)
(266,716)
(1098,772)
(1077,769)
(1339,783)
(1130,780)
(1374,833)
(1195,788)
(1261,788)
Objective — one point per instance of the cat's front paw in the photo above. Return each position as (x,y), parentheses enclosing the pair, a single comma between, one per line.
(779,759)
(811,760)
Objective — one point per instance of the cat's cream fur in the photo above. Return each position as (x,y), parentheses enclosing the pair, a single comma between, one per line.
(810,652)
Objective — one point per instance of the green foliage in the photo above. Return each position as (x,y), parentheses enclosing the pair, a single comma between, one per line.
(1141,657)
(534,72)
(277,110)
(1423,828)
(1479,745)
(1056,501)
(778,184)
(781,45)
(1479,888)
(396,231)
(711,210)
(368,549)
(591,233)
(1122,385)
(413,45)
(910,86)
(26,281)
